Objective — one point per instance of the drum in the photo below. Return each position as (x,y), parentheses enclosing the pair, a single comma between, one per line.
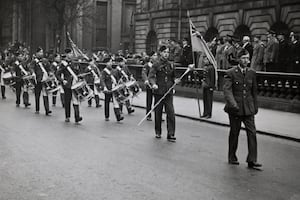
(29,81)
(8,78)
(51,85)
(121,93)
(82,91)
(98,86)
(133,87)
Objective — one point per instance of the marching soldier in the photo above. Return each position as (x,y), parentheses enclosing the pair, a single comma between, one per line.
(109,81)
(54,67)
(2,71)
(19,67)
(240,91)
(41,68)
(145,74)
(162,77)
(93,80)
(67,76)
(125,76)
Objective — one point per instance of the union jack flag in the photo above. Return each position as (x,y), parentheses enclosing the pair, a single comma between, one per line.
(199,45)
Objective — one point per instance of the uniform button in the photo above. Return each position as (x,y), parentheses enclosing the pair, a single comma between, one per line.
(244,85)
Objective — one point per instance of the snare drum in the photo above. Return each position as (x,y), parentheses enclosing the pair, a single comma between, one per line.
(121,93)
(8,78)
(29,81)
(51,85)
(82,91)
(133,87)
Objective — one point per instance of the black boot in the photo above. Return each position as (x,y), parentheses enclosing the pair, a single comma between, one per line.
(129,108)
(3,92)
(121,108)
(26,99)
(118,114)
(62,99)
(76,113)
(46,105)
(97,99)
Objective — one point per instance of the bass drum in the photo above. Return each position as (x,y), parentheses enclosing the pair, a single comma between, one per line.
(82,91)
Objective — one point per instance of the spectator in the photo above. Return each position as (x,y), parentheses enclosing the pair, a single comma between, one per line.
(220,53)
(213,46)
(283,53)
(271,52)
(187,57)
(230,52)
(175,51)
(258,54)
(247,45)
(294,54)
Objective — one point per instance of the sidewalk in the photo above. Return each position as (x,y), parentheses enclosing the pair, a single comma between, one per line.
(269,122)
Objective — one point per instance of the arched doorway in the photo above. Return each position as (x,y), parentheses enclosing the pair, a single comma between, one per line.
(151,42)
(241,31)
(280,27)
(210,34)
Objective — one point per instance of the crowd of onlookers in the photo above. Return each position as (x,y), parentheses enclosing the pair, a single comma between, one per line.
(278,53)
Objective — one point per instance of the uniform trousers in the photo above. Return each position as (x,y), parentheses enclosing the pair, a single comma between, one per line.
(167,102)
(149,100)
(39,88)
(207,101)
(235,127)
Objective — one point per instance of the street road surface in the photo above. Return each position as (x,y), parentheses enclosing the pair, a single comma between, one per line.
(45,158)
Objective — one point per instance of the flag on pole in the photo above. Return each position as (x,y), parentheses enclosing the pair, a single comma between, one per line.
(199,45)
(76,51)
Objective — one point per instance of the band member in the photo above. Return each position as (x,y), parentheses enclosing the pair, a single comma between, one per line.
(240,91)
(41,69)
(93,80)
(125,76)
(2,71)
(19,67)
(208,84)
(54,67)
(109,81)
(145,74)
(162,77)
(67,75)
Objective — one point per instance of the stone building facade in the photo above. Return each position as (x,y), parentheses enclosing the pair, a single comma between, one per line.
(29,21)
(157,20)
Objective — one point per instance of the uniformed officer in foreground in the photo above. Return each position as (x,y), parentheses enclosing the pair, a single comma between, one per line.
(162,77)
(240,91)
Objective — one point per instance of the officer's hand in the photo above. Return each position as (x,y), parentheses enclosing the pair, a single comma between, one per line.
(146,82)
(177,80)
(155,87)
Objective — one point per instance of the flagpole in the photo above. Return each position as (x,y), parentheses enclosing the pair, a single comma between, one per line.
(193,56)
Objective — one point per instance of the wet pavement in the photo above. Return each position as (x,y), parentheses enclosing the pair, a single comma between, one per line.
(45,158)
